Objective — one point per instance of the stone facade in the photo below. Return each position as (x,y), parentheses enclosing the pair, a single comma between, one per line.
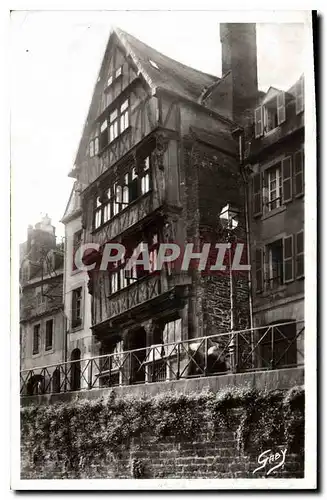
(41,301)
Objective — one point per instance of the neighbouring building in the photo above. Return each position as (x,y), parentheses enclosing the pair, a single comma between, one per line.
(158,161)
(275,166)
(41,307)
(77,300)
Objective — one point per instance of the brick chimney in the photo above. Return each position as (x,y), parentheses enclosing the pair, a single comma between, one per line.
(239,56)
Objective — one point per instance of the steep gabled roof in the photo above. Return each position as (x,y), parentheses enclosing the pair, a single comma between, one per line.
(172,75)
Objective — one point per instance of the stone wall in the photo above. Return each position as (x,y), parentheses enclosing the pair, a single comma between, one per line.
(200,435)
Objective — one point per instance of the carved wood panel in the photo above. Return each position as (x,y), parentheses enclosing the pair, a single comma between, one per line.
(127,218)
(135,294)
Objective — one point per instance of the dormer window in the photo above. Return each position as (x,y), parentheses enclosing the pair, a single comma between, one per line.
(270,114)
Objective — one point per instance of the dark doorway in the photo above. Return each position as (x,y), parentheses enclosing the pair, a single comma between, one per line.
(35,385)
(76,370)
(137,340)
(279,346)
(56,380)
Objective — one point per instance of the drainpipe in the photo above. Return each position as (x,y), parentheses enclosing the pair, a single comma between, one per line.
(64,298)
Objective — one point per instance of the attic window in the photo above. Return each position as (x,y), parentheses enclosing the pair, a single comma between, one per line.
(153,64)
(270,115)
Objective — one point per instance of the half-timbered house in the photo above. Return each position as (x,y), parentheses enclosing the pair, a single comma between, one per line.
(158,161)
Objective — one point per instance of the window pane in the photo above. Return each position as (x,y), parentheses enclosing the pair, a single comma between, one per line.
(48,334)
(125,194)
(118,194)
(124,106)
(145,184)
(113,116)
(106,212)
(36,339)
(98,218)
(96,145)
(147,163)
(103,126)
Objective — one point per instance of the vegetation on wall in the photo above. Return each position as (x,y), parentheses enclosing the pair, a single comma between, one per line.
(71,436)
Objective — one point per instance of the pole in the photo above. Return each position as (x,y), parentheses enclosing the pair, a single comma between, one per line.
(232,312)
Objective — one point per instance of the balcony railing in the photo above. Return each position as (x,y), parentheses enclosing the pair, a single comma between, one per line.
(263,348)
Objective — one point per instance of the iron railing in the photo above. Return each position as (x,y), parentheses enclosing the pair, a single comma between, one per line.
(263,348)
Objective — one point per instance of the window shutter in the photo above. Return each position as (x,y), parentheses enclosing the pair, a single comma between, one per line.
(259,269)
(299,99)
(258,120)
(281,113)
(287,179)
(288,259)
(257,194)
(299,254)
(298,173)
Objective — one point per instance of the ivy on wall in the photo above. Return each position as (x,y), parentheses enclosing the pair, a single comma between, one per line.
(70,436)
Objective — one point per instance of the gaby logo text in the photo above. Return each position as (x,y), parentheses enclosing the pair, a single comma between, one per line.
(273,461)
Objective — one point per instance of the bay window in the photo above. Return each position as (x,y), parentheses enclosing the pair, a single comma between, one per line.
(127,188)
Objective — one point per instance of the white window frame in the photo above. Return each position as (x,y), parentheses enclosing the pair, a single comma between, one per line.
(278,189)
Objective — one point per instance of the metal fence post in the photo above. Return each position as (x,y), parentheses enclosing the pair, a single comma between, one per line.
(272,361)
(90,374)
(178,362)
(205,370)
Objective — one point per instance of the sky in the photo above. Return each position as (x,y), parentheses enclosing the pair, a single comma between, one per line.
(55,59)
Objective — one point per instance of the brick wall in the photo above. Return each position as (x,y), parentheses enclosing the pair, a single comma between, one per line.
(198,458)
(168,436)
